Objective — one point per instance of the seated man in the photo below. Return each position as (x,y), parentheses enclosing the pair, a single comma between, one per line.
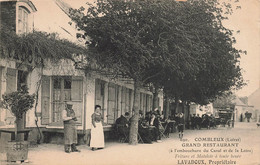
(122,125)
(212,121)
(198,121)
(147,116)
(144,131)
(155,122)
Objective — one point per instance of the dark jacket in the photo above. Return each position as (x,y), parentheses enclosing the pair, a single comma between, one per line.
(122,121)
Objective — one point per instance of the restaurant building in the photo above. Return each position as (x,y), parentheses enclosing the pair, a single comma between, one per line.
(61,82)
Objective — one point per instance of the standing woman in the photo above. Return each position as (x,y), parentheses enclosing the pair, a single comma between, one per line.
(97,134)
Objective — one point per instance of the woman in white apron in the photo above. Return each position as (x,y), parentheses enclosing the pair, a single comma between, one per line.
(97,134)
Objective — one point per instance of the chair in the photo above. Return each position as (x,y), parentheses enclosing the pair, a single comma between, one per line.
(162,129)
(140,140)
(167,129)
(123,137)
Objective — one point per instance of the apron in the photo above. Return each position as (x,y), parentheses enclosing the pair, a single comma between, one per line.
(97,136)
(70,130)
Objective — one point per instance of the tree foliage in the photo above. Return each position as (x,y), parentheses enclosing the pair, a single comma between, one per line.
(36,46)
(182,47)
(214,68)
(225,100)
(19,102)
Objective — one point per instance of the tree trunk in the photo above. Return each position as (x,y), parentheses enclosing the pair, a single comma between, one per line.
(19,125)
(167,109)
(188,113)
(134,121)
(155,98)
(176,104)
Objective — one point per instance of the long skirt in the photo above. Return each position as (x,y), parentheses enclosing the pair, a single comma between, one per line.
(97,136)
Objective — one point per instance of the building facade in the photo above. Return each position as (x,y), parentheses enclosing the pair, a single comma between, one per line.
(60,82)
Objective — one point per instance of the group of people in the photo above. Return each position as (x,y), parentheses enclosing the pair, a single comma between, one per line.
(70,130)
(148,126)
(205,121)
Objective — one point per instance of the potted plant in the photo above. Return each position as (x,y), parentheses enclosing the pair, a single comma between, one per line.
(18,102)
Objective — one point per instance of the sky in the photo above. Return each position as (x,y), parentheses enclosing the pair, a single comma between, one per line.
(247,20)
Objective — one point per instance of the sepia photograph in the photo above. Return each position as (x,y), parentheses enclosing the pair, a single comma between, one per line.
(129,82)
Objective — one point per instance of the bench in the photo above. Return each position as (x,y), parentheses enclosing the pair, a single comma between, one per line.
(12,132)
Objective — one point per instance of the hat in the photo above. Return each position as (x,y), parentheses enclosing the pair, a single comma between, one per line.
(69,105)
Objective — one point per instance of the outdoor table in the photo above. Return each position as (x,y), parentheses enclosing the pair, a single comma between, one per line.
(12,132)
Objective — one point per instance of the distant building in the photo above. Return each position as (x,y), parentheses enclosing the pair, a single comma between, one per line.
(241,107)
(254,99)
(201,109)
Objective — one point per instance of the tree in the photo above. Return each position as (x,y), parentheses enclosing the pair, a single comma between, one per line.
(127,39)
(18,102)
(120,35)
(225,100)
(147,40)
(216,68)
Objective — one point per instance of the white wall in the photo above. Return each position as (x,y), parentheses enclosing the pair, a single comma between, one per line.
(198,109)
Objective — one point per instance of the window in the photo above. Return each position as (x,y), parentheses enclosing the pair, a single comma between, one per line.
(23,20)
(61,94)
(66,89)
(21,79)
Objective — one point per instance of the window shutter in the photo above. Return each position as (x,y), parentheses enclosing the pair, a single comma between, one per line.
(45,99)
(98,91)
(76,88)
(111,103)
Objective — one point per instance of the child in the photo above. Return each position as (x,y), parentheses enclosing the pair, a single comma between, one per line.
(180,126)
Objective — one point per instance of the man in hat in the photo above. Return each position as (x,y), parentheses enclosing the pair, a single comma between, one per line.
(154,121)
(70,130)
(122,125)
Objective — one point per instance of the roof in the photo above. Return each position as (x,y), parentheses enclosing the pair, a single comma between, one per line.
(254,99)
(237,101)
(63,6)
